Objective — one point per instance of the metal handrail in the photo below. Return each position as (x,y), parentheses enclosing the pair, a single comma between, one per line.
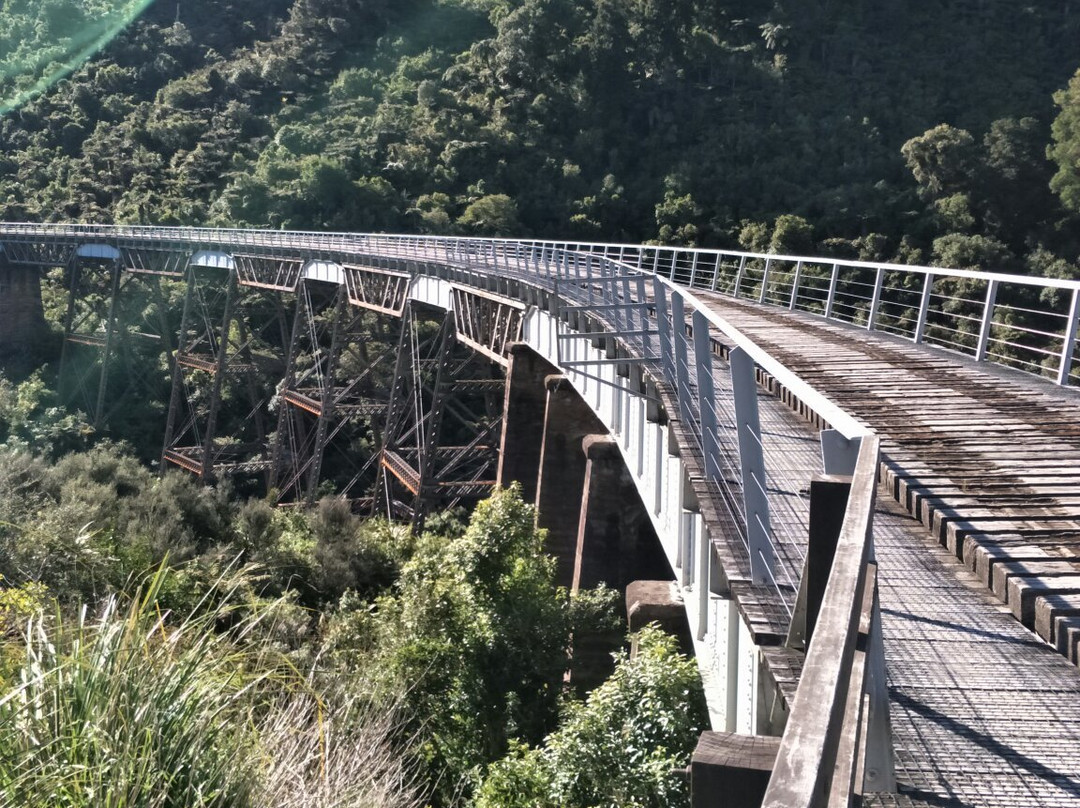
(901,299)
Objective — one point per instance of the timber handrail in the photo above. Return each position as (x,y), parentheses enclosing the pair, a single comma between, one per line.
(820,752)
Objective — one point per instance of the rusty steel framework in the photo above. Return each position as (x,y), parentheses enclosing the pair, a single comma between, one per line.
(310,370)
(117,319)
(440,443)
(216,422)
(335,386)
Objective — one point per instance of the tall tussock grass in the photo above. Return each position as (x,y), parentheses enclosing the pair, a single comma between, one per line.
(132,708)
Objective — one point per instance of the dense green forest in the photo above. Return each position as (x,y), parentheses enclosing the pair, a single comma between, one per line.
(914,131)
(343,662)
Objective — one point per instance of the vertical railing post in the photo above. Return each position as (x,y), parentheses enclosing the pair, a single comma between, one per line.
(682,360)
(589,279)
(924,308)
(1070,340)
(987,321)
(752,462)
(663,325)
(875,300)
(794,301)
(765,281)
(739,277)
(830,301)
(879,766)
(642,315)
(706,397)
(839,454)
(693,270)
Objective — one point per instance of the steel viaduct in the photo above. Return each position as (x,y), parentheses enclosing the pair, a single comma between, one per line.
(860,478)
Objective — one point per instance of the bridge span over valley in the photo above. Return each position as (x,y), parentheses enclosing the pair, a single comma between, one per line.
(861,479)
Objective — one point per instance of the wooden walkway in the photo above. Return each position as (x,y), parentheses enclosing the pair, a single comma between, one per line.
(985,712)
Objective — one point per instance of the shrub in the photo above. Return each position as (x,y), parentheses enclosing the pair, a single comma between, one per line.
(617,749)
(479,630)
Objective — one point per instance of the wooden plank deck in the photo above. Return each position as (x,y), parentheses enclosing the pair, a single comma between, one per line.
(972,454)
(980,485)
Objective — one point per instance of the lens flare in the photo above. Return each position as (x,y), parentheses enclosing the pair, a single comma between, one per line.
(42,41)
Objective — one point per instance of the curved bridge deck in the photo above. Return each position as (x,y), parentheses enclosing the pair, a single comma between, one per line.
(984,712)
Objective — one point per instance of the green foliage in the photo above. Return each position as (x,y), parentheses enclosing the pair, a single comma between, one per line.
(675,217)
(137,707)
(18,605)
(792,235)
(617,749)
(126,710)
(476,626)
(43,41)
(361,557)
(491,215)
(972,252)
(1065,149)
(31,418)
(940,159)
(643,121)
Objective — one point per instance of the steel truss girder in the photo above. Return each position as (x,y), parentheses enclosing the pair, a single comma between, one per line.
(214,349)
(105,317)
(162,261)
(436,446)
(269,272)
(38,252)
(377,289)
(487,323)
(326,330)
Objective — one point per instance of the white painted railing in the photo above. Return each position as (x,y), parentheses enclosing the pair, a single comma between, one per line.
(1022,322)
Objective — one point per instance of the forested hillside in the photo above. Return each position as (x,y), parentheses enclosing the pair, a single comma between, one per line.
(693,121)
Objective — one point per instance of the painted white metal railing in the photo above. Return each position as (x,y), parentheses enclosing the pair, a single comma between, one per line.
(1022,322)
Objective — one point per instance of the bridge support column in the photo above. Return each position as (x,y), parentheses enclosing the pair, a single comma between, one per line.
(609,526)
(523,410)
(561,481)
(22,319)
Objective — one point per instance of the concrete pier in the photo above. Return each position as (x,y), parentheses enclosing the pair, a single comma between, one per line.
(22,318)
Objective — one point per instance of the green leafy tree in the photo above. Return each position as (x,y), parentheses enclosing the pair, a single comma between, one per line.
(941,159)
(1065,149)
(792,235)
(491,215)
(478,628)
(620,747)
